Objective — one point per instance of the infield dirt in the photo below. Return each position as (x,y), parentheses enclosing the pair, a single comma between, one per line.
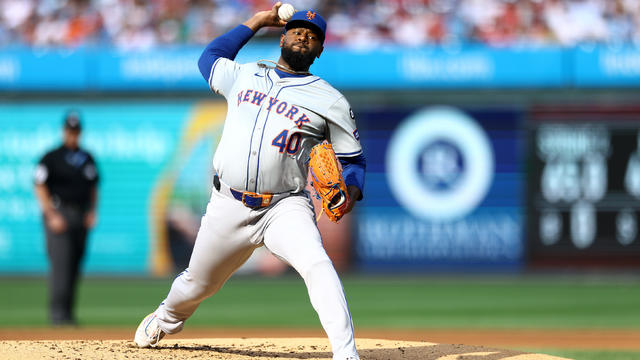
(282,343)
(252,348)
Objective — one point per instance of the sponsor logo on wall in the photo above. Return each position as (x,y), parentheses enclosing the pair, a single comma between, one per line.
(440,164)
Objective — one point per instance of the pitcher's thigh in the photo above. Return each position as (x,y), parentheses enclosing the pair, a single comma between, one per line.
(293,236)
(222,244)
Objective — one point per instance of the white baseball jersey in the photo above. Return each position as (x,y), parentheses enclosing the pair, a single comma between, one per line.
(272,123)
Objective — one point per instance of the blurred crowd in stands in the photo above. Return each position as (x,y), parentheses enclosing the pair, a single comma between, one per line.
(141,24)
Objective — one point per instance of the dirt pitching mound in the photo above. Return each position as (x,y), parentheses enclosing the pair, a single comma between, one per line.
(244,348)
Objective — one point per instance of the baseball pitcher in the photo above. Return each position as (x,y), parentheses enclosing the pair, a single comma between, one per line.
(277,113)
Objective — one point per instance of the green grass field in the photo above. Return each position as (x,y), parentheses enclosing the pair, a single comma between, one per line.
(524,302)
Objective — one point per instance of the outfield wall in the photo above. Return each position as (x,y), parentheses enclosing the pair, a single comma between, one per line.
(467,67)
(459,177)
(139,148)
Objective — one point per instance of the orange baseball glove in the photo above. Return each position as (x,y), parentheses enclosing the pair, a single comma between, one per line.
(328,182)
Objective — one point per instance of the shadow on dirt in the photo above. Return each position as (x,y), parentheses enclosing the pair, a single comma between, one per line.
(432,352)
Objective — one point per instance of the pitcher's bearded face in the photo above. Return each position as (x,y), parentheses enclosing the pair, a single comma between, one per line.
(299,48)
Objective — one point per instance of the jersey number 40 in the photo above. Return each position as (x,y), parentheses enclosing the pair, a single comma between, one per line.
(289,143)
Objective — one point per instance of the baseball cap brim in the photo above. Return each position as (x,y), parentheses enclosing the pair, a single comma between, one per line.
(310,20)
(307,25)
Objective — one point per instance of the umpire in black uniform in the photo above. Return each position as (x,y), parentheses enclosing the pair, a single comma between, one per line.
(66,181)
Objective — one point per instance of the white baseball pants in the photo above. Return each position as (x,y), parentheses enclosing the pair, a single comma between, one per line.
(228,235)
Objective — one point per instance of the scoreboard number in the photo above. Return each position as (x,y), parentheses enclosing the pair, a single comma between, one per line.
(584,189)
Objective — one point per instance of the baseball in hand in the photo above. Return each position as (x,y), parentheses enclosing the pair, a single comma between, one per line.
(286,11)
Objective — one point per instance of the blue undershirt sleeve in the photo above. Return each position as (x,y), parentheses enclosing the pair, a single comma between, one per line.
(225,46)
(353,169)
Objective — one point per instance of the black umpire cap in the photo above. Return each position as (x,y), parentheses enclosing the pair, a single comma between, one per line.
(72,120)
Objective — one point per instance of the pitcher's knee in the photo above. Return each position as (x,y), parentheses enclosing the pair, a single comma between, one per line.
(202,290)
(321,266)
(194,289)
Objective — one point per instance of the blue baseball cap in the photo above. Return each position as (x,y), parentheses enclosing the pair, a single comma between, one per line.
(308,19)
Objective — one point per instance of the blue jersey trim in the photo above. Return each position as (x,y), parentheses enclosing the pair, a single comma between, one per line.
(265,125)
(213,68)
(284,74)
(246,186)
(355,153)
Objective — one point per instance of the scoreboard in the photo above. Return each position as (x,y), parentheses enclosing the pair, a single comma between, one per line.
(584,186)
